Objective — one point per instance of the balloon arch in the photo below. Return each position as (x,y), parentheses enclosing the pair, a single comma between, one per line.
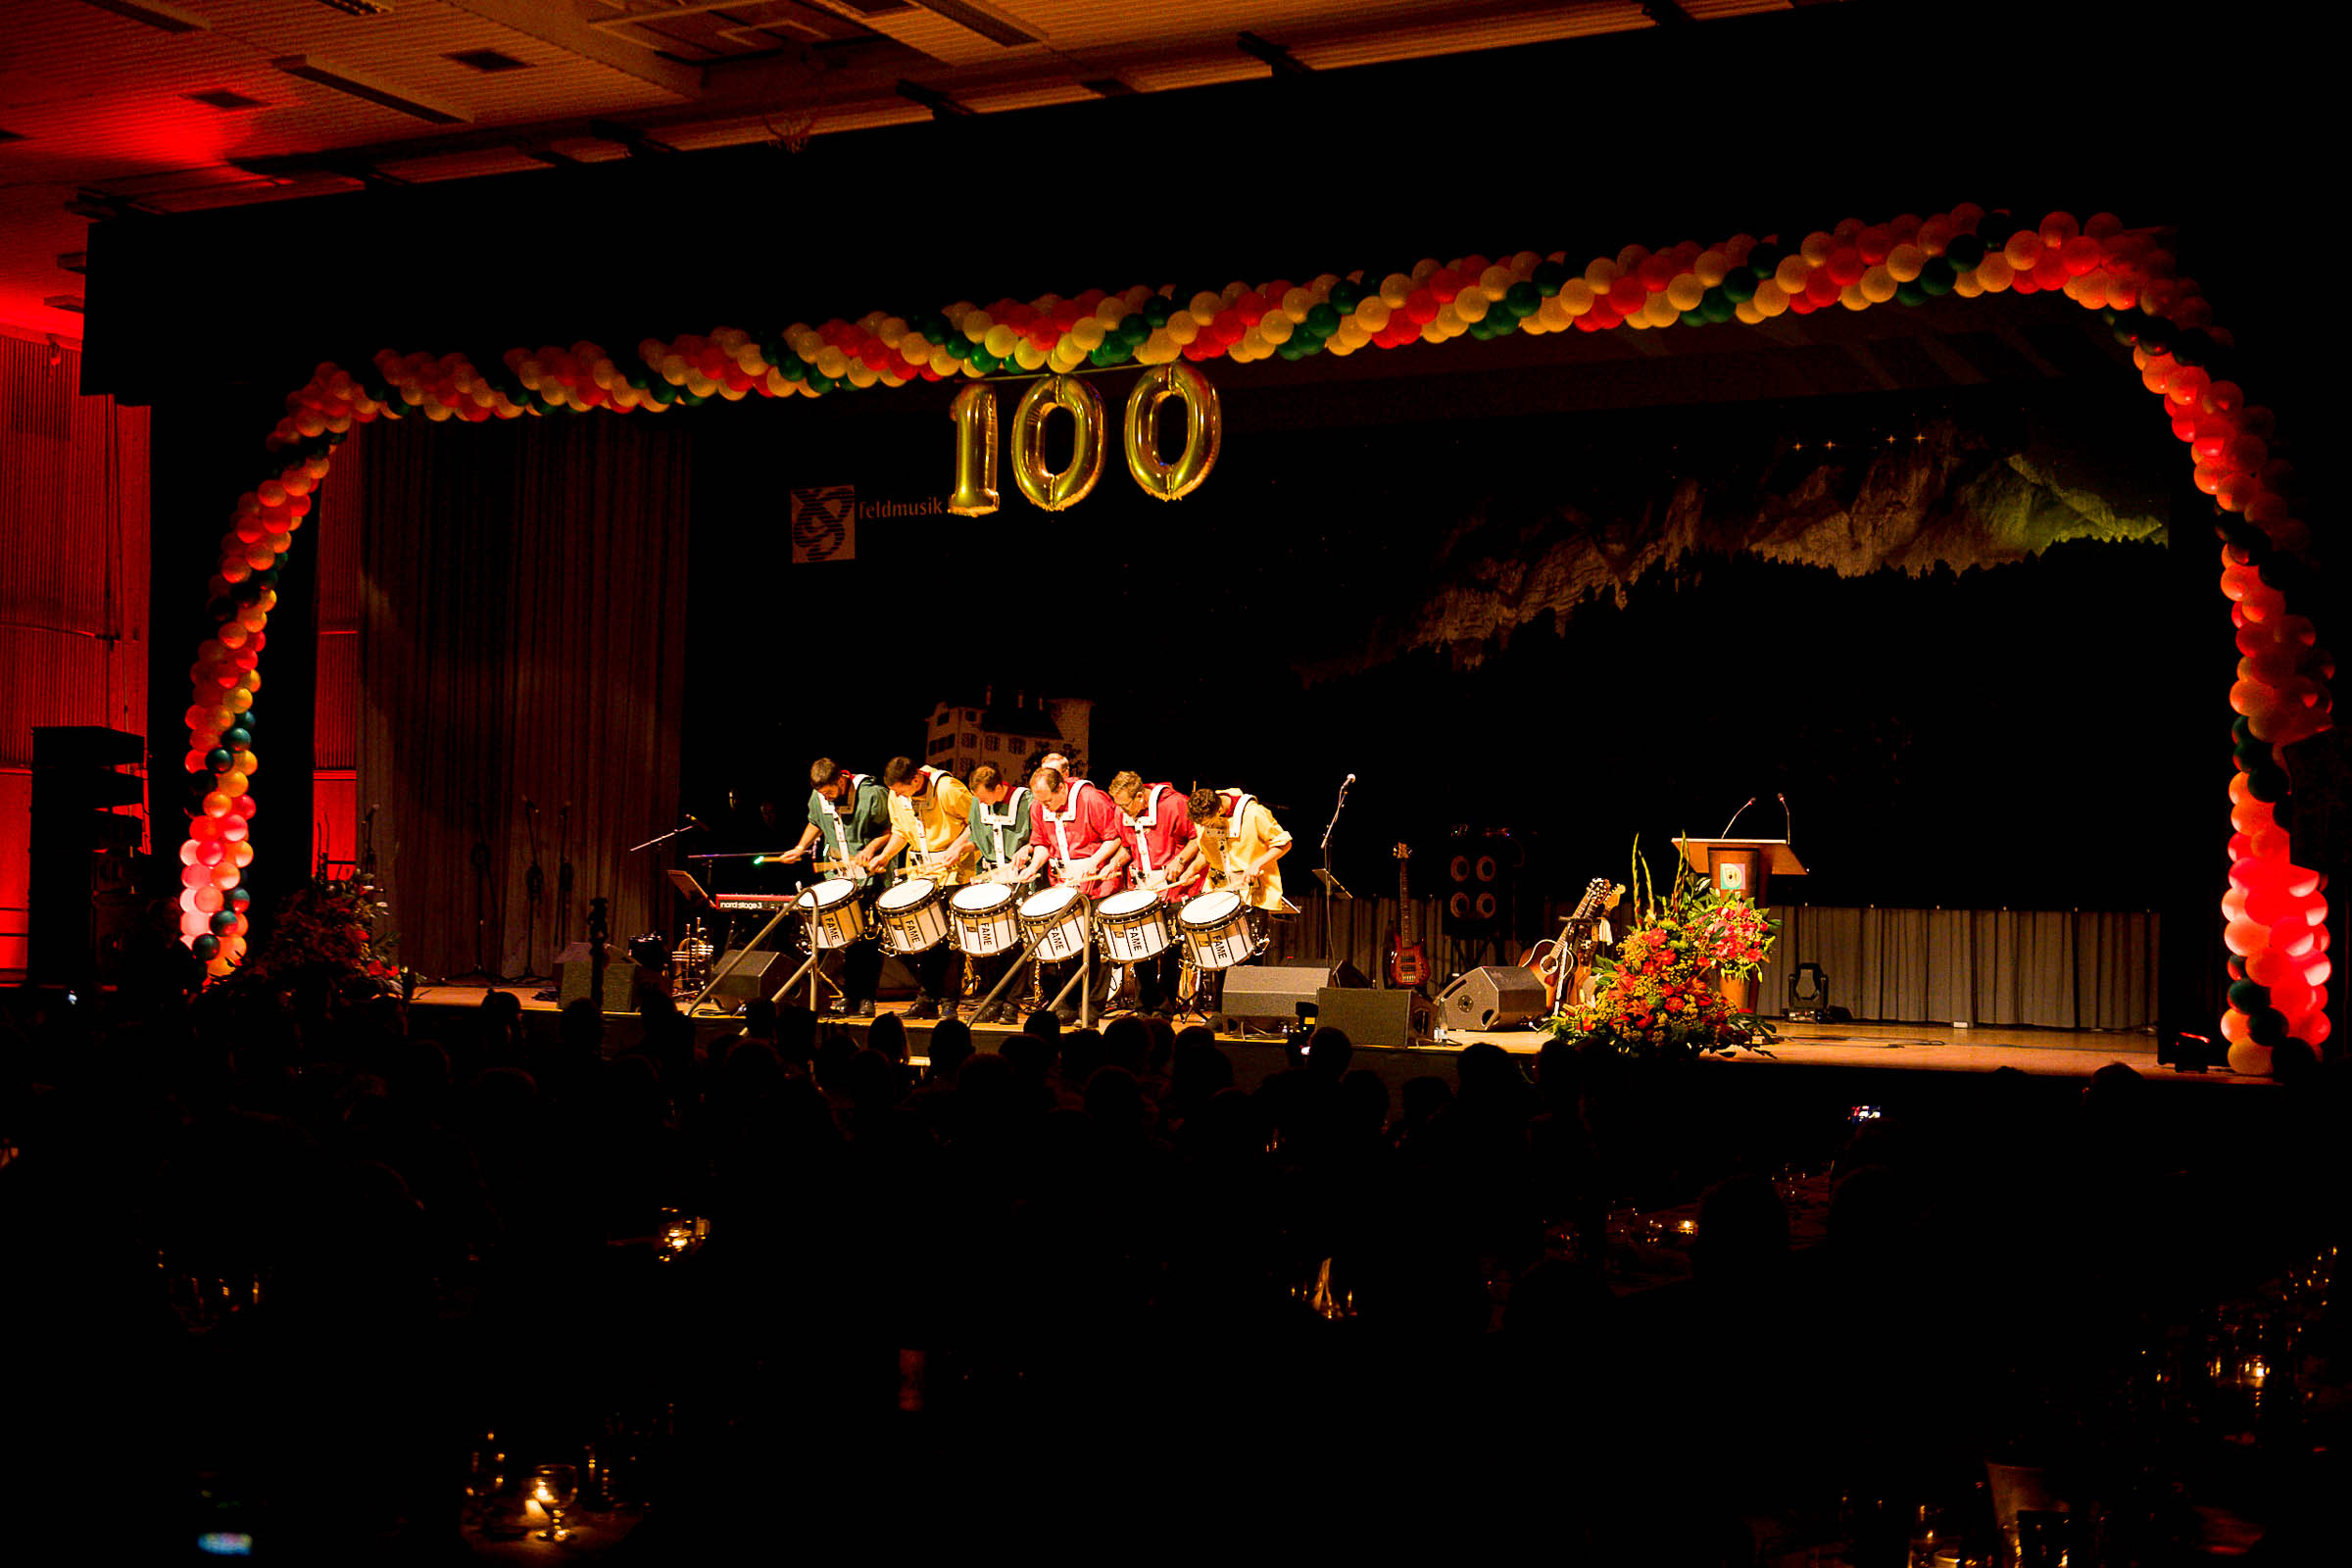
(2275,911)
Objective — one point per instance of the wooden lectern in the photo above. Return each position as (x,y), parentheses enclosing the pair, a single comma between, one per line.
(1740,865)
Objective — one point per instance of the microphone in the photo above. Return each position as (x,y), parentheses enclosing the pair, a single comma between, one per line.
(1787,832)
(373,808)
(691,819)
(1736,815)
(527,806)
(1349,781)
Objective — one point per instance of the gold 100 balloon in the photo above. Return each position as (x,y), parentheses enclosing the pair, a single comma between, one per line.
(974,411)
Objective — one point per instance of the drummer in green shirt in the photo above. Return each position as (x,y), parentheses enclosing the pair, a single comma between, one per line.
(847,812)
(1000,828)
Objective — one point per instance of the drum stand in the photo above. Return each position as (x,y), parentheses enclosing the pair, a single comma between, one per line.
(1083,974)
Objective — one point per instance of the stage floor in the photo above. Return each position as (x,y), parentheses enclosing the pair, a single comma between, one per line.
(1871,1046)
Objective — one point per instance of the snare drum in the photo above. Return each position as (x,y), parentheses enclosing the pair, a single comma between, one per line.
(914,916)
(1215,927)
(1134,925)
(985,921)
(839,918)
(1056,922)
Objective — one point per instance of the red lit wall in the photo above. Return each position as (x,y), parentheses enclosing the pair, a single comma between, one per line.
(73,583)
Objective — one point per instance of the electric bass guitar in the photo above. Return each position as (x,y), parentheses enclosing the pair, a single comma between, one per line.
(1556,962)
(1408,964)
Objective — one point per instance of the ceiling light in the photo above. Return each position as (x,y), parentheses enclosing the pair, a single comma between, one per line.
(359,8)
(12,135)
(74,261)
(488,61)
(154,13)
(310,67)
(65,302)
(225,99)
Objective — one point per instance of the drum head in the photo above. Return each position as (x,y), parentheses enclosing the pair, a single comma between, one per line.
(906,894)
(1129,901)
(981,898)
(825,895)
(1052,901)
(1210,907)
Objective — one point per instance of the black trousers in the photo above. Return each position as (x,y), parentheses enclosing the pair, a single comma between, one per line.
(860,972)
(936,968)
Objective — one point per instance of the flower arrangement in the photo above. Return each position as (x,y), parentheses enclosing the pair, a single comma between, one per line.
(1660,994)
(335,931)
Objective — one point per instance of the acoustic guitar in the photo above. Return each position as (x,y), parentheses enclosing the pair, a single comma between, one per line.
(1552,961)
(1408,964)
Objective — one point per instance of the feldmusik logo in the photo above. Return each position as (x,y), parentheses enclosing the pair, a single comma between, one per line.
(824,523)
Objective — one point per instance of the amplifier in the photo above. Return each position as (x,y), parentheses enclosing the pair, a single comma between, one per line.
(1268,990)
(1494,997)
(575,976)
(758,975)
(1390,1018)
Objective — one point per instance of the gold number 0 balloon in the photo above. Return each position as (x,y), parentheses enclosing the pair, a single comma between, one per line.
(1204,428)
(974,411)
(1054,491)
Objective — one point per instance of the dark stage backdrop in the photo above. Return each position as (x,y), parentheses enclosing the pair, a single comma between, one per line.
(2030,733)
(522,627)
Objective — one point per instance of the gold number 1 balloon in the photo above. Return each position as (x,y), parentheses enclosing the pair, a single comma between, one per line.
(1204,428)
(1049,490)
(974,411)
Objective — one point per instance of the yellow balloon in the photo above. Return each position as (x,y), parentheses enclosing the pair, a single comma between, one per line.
(1686,291)
(1204,431)
(974,411)
(1051,491)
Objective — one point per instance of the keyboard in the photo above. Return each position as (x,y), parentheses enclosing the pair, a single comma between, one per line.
(754,903)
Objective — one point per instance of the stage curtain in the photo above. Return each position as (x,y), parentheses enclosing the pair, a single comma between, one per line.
(2043,968)
(73,584)
(522,630)
(2040,969)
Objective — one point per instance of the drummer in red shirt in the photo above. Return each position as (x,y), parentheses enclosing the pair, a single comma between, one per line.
(1159,832)
(1076,832)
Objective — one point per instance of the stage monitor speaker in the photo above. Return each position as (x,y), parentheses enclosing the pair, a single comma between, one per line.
(575,975)
(1268,990)
(758,975)
(1390,1018)
(1492,997)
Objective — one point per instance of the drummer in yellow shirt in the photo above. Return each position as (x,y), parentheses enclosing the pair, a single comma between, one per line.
(930,815)
(1242,846)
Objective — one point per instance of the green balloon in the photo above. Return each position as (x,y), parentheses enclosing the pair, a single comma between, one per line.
(1549,276)
(1963,252)
(1939,276)
(2246,997)
(1322,320)
(1522,300)
(1695,318)
(1739,285)
(1157,309)
(1344,295)
(1910,293)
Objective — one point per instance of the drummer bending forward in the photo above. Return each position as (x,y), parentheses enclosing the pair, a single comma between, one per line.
(1163,854)
(1241,845)
(930,814)
(1000,828)
(1074,829)
(846,812)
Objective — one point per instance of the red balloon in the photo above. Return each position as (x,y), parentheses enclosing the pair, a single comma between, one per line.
(1626,295)
(1846,265)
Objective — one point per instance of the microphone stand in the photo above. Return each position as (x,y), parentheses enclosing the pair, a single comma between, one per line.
(662,838)
(1331,884)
